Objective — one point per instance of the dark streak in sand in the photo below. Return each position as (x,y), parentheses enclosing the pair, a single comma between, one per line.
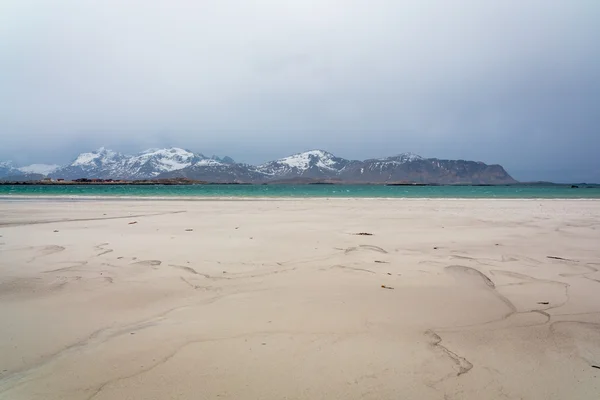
(462,363)
(561,259)
(10,224)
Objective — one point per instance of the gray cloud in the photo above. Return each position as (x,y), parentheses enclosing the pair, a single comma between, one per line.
(510,82)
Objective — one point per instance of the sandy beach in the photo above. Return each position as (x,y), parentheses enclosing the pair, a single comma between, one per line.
(286,299)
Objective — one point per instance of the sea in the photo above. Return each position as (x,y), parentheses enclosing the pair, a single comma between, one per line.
(582,191)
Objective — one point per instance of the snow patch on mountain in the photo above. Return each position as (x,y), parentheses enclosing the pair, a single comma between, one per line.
(302,162)
(402,158)
(167,160)
(409,157)
(172,153)
(209,162)
(7,168)
(43,169)
(100,156)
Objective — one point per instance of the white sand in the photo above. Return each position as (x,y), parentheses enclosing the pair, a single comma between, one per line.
(279,300)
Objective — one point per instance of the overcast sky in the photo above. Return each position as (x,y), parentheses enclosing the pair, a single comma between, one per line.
(514,82)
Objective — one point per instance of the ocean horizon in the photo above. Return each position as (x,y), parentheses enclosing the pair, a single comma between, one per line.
(521,191)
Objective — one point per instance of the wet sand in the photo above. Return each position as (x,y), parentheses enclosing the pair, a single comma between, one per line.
(444,299)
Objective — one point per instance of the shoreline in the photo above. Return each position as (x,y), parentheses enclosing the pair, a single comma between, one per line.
(267,198)
(574,185)
(221,192)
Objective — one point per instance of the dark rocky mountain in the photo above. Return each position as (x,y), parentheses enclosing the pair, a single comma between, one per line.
(311,166)
(22,177)
(324,166)
(218,173)
(412,168)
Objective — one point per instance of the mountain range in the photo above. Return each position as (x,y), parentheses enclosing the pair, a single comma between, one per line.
(309,166)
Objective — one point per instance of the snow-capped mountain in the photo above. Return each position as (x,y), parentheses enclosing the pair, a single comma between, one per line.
(9,171)
(153,162)
(101,163)
(105,163)
(8,168)
(310,164)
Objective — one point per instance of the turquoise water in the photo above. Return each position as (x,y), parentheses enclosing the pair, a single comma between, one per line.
(301,191)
